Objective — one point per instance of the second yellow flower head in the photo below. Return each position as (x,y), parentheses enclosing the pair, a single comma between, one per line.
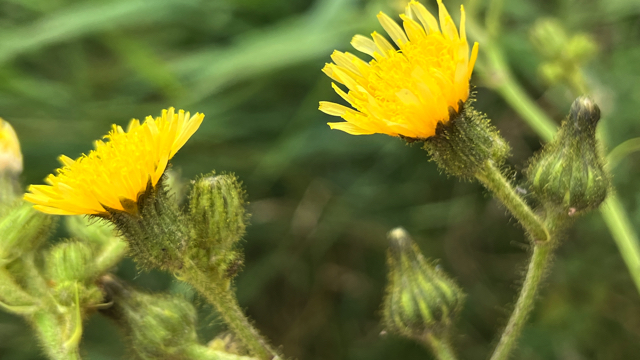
(404,92)
(118,170)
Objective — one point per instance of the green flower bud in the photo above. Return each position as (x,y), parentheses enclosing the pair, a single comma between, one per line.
(217,209)
(22,229)
(218,218)
(549,38)
(569,175)
(463,145)
(581,48)
(69,261)
(419,298)
(158,326)
(108,248)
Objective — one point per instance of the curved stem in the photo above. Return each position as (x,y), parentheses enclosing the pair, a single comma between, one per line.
(497,74)
(440,347)
(491,177)
(223,298)
(524,305)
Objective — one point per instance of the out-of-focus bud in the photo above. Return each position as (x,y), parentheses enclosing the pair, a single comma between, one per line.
(552,72)
(69,261)
(549,38)
(218,217)
(22,230)
(581,47)
(10,154)
(226,342)
(109,248)
(158,326)
(568,175)
(419,299)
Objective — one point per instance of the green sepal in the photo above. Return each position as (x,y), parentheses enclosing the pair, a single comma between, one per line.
(462,145)
(155,229)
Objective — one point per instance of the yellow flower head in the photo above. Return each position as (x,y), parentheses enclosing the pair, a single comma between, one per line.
(404,92)
(118,170)
(10,155)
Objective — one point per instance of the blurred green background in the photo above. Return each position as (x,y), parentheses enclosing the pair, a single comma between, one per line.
(322,201)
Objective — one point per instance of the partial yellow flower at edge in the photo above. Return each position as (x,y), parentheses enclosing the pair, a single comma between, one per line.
(10,154)
(118,170)
(404,92)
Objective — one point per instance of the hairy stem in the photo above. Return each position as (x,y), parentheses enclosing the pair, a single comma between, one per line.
(524,305)
(496,73)
(440,347)
(223,298)
(491,177)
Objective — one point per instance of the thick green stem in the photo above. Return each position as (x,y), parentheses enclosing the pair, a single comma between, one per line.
(491,177)
(223,298)
(524,305)
(440,347)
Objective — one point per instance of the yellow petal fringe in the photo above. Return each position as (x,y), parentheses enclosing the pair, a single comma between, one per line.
(119,169)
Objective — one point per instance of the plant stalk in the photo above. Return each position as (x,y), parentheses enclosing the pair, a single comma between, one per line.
(440,347)
(491,177)
(222,297)
(524,305)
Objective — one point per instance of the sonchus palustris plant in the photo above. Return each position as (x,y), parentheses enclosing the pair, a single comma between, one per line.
(417,88)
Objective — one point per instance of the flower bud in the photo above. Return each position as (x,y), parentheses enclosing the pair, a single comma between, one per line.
(219,220)
(10,154)
(158,326)
(419,298)
(549,38)
(69,261)
(22,229)
(569,175)
(463,145)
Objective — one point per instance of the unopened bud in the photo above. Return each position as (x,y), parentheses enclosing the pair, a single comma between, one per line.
(549,38)
(419,299)
(22,230)
(69,261)
(158,326)
(569,173)
(10,154)
(218,217)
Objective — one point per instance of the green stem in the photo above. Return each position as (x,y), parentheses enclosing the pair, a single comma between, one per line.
(497,75)
(524,305)
(491,177)
(620,227)
(440,347)
(200,352)
(223,298)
